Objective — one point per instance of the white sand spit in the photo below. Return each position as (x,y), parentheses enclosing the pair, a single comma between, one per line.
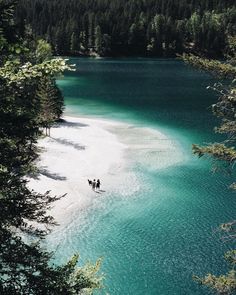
(78,149)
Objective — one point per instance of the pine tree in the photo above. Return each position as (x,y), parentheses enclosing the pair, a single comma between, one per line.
(51,103)
(74,44)
(98,40)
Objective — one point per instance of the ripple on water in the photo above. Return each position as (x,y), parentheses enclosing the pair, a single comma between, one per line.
(147,150)
(155,227)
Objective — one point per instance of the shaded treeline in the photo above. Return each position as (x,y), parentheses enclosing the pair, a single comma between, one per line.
(131,27)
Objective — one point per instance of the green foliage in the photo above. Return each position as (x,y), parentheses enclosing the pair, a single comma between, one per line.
(217,150)
(82,278)
(231,49)
(153,27)
(224,284)
(217,68)
(6,24)
(43,50)
(14,72)
(230,256)
(25,270)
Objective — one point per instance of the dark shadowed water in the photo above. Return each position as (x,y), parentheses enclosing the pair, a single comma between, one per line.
(155,237)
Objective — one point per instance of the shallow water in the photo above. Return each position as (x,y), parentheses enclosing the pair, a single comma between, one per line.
(156,229)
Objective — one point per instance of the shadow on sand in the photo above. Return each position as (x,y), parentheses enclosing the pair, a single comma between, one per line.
(65,123)
(45,172)
(77,146)
(99,191)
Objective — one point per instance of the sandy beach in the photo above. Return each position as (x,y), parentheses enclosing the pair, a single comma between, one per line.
(78,150)
(83,148)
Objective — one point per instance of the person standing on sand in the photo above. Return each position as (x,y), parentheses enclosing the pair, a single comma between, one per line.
(98,184)
(94,184)
(89,182)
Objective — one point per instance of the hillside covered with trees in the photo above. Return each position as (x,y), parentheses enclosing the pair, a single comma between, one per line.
(131,27)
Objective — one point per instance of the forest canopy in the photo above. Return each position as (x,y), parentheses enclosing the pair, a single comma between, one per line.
(131,27)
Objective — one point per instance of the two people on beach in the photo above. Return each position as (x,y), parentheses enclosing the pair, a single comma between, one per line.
(94,184)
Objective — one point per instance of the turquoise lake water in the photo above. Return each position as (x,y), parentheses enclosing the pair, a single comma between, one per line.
(155,238)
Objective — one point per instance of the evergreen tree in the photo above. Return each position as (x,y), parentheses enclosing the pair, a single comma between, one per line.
(91,31)
(106,44)
(98,40)
(51,103)
(157,28)
(74,43)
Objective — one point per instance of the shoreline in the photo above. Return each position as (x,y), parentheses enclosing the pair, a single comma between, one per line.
(78,149)
(82,148)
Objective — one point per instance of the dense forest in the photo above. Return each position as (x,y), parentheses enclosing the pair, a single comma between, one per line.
(131,27)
